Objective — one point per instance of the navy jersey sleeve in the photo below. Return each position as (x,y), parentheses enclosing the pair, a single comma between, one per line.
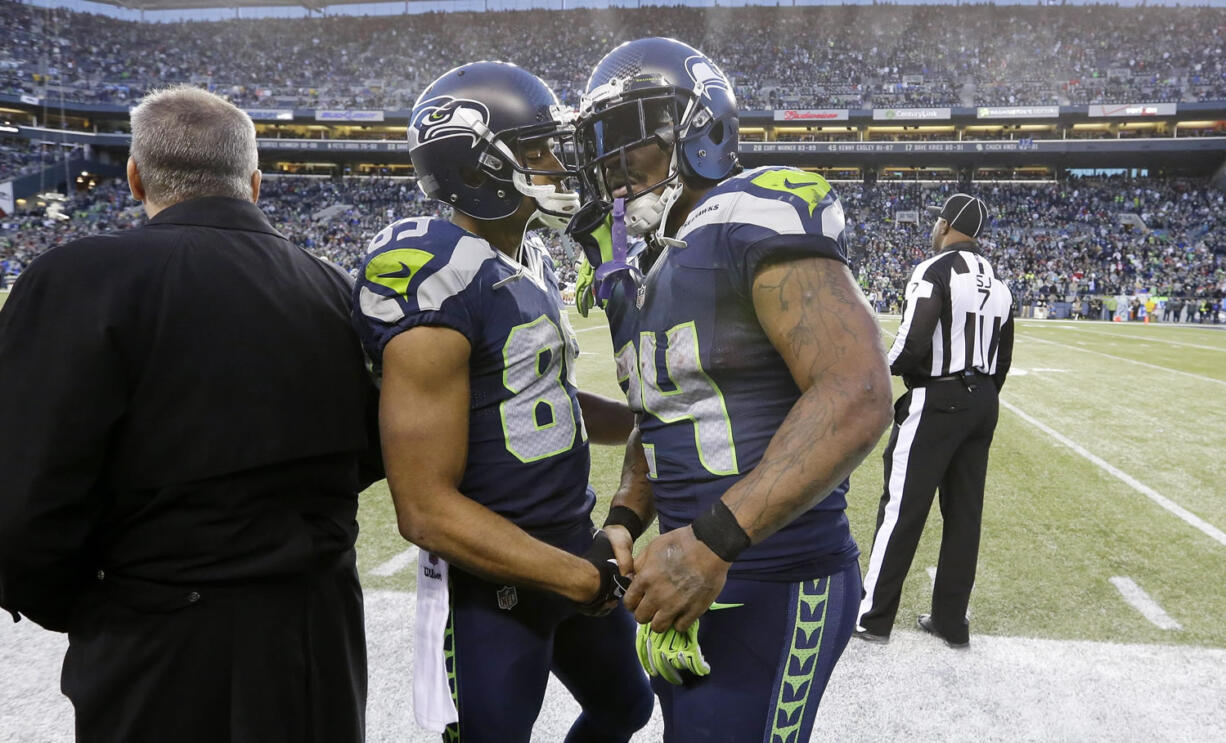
(419,272)
(782,214)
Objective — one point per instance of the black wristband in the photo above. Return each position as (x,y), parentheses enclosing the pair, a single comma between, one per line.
(625,516)
(719,530)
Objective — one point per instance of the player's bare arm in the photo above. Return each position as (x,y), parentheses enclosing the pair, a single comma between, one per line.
(634,493)
(608,421)
(820,323)
(423,420)
(817,318)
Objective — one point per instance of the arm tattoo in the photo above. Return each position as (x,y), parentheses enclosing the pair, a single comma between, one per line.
(819,443)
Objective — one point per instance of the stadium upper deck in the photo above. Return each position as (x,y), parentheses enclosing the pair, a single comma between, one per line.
(1084,237)
(821,57)
(967,89)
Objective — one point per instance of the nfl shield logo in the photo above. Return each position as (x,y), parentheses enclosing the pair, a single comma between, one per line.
(507,598)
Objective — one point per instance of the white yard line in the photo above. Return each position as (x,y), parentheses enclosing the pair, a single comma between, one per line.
(396,564)
(1141,601)
(1187,516)
(1142,338)
(1130,361)
(1184,514)
(1002,689)
(1173,326)
(588,330)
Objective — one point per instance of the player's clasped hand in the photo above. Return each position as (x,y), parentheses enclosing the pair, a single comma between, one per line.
(665,653)
(613,584)
(675,580)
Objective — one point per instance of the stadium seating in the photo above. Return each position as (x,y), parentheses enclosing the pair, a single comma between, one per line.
(20,157)
(807,57)
(1051,242)
(1055,241)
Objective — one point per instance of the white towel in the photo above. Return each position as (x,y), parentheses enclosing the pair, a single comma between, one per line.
(432,703)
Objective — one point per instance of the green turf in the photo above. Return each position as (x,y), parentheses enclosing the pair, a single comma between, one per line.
(379,540)
(1056,527)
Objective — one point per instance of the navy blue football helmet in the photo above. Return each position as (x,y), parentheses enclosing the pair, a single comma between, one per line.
(660,91)
(467,133)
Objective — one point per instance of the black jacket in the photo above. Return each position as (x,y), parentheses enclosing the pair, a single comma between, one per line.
(185,405)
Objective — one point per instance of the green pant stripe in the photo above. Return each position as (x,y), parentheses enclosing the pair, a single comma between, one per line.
(801,664)
(452,732)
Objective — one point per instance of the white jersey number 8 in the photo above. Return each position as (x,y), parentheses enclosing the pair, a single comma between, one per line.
(533,387)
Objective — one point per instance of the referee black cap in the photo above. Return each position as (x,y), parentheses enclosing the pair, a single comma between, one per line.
(965,213)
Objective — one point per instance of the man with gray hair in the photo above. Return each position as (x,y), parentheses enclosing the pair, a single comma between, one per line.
(192,425)
(188,143)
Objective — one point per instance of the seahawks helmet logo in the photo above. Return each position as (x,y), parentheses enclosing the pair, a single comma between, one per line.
(706,77)
(443,117)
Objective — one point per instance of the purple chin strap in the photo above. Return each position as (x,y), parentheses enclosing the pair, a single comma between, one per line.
(615,271)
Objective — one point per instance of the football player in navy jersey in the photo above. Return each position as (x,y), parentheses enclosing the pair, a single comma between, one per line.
(483,431)
(757,370)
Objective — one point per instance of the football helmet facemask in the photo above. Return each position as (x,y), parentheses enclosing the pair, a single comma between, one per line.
(480,132)
(654,91)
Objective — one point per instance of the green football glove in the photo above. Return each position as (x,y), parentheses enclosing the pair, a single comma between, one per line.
(585,293)
(665,653)
(598,238)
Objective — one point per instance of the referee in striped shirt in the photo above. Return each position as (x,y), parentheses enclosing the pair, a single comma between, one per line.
(953,351)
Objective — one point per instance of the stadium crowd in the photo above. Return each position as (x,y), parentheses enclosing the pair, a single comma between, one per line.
(16,161)
(355,211)
(779,57)
(19,157)
(1053,243)
(1060,242)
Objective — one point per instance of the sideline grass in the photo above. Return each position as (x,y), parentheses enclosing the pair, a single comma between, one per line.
(1056,530)
(1056,527)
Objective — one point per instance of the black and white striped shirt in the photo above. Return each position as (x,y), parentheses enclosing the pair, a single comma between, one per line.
(957,316)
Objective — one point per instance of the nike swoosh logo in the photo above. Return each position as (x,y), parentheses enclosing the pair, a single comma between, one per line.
(717,606)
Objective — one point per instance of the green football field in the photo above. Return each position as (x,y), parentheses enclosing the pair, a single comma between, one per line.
(1097,612)
(1108,464)
(1101,426)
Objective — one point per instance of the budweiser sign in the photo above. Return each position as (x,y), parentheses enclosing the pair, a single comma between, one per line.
(811,114)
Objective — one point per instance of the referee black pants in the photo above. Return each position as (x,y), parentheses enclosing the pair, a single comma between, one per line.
(940,439)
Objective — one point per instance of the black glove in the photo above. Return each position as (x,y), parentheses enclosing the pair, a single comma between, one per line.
(613,584)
